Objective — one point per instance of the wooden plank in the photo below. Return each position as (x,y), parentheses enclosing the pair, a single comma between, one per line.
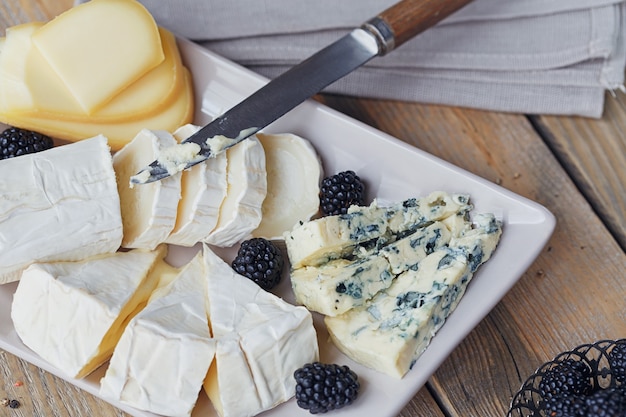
(593,152)
(572,294)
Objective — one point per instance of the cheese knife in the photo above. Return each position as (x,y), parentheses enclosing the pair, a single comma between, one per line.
(376,37)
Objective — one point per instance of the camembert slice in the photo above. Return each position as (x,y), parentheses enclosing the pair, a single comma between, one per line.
(164,354)
(261,341)
(73,313)
(58,205)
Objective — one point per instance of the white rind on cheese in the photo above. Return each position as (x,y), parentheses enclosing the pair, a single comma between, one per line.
(241,210)
(320,240)
(261,341)
(58,205)
(340,285)
(389,333)
(204,188)
(148,210)
(163,356)
(73,313)
(294,172)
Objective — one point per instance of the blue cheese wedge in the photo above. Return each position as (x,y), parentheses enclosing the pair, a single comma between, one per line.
(241,210)
(73,313)
(203,189)
(163,356)
(71,192)
(148,211)
(261,340)
(389,333)
(340,285)
(320,240)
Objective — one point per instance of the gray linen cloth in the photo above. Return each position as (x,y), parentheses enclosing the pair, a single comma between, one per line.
(526,56)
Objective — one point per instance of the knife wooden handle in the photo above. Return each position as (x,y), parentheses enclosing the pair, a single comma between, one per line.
(407,18)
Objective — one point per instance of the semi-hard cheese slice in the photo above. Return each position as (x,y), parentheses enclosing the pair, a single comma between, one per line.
(163,356)
(151,93)
(148,210)
(168,118)
(320,240)
(241,210)
(261,341)
(340,285)
(73,313)
(390,332)
(58,205)
(119,35)
(14,92)
(204,188)
(294,172)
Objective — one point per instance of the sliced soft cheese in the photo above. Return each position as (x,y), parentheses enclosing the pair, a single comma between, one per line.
(240,212)
(340,285)
(204,188)
(294,172)
(390,332)
(331,237)
(149,210)
(261,341)
(58,205)
(168,118)
(73,313)
(82,41)
(163,356)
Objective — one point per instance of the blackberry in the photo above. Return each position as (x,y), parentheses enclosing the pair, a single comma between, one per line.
(15,142)
(568,377)
(261,261)
(617,361)
(323,387)
(340,191)
(609,402)
(565,406)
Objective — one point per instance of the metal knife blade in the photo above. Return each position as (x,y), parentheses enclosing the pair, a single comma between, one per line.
(376,37)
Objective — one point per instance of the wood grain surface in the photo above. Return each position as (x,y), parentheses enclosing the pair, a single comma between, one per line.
(573,294)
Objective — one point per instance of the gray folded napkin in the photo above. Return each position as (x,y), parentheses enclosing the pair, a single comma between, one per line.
(527,56)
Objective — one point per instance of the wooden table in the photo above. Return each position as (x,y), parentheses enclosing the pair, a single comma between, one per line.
(573,294)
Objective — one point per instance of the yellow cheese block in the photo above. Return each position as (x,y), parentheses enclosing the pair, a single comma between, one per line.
(148,95)
(118,35)
(176,114)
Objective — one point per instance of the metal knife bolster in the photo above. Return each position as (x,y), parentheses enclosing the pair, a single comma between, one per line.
(279,96)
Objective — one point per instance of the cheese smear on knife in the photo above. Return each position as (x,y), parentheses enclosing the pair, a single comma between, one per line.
(163,357)
(204,188)
(148,211)
(241,210)
(73,313)
(58,205)
(261,341)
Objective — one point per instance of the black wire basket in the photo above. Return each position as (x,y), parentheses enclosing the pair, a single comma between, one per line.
(527,402)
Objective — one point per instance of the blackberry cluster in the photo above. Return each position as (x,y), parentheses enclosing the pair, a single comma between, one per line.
(261,261)
(567,389)
(340,191)
(324,387)
(15,142)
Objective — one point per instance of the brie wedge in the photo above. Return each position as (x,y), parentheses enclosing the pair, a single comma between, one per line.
(390,332)
(261,341)
(204,188)
(73,313)
(163,356)
(240,212)
(149,210)
(294,172)
(58,205)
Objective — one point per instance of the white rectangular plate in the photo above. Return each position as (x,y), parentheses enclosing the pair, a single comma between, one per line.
(392,171)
